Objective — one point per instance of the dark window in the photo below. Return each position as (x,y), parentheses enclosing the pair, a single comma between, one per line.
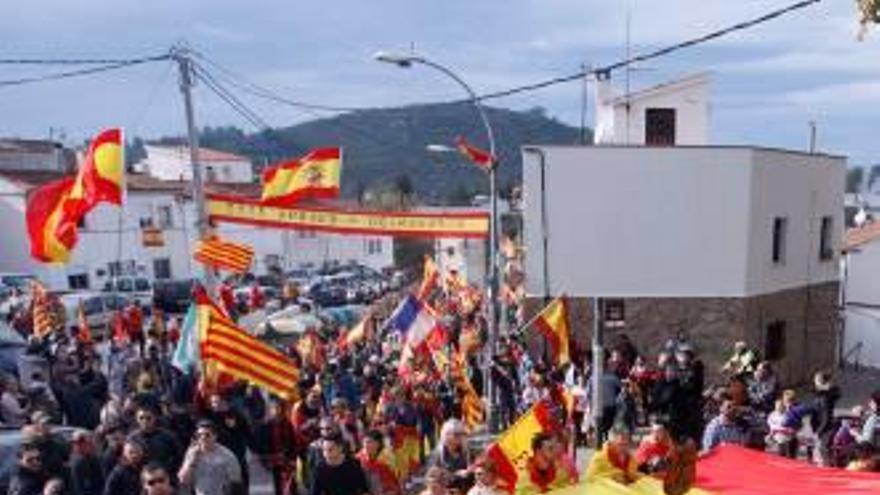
(660,127)
(78,281)
(780,226)
(162,268)
(81,223)
(613,313)
(774,348)
(825,250)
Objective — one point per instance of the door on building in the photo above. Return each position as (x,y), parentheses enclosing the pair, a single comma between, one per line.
(660,127)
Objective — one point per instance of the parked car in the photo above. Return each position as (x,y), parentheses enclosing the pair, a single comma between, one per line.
(16,280)
(173,296)
(136,288)
(99,308)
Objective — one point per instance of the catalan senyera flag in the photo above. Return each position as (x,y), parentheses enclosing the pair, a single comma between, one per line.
(55,209)
(224,255)
(478,157)
(514,446)
(429,279)
(552,324)
(42,312)
(315,175)
(233,351)
(472,411)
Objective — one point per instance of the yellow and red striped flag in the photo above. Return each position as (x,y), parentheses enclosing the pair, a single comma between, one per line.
(234,352)
(472,411)
(42,313)
(83,332)
(224,255)
(316,175)
(429,279)
(552,323)
(362,331)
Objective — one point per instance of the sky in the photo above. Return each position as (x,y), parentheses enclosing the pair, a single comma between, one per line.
(769,82)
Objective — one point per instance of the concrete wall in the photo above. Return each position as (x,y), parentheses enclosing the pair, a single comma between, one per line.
(639,222)
(862,315)
(801,188)
(690,99)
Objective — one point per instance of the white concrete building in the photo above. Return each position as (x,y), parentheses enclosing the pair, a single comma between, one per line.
(861,295)
(672,113)
(35,154)
(103,252)
(724,243)
(172,163)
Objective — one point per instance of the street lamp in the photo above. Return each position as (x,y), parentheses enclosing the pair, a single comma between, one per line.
(407,61)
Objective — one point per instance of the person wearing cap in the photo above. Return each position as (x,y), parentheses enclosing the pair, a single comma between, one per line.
(85,467)
(209,467)
(125,477)
(30,475)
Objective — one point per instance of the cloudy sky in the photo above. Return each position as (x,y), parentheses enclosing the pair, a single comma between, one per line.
(769,81)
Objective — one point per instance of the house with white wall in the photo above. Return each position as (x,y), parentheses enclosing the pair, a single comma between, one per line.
(172,163)
(860,296)
(724,243)
(673,113)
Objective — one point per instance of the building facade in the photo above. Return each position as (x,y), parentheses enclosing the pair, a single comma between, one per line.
(172,163)
(860,296)
(721,243)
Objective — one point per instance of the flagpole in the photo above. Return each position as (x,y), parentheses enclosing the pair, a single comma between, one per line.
(182,56)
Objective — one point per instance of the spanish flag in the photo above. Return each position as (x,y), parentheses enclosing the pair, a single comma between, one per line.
(552,324)
(316,175)
(480,158)
(55,209)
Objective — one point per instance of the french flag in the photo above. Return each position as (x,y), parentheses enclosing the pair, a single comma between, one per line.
(418,324)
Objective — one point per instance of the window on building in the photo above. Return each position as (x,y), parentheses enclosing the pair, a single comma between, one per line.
(774,346)
(374,246)
(780,228)
(210,174)
(826,251)
(305,234)
(165,216)
(660,127)
(78,281)
(613,313)
(146,222)
(81,224)
(162,268)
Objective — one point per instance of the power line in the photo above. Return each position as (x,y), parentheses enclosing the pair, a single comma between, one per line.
(82,72)
(229,98)
(70,61)
(651,55)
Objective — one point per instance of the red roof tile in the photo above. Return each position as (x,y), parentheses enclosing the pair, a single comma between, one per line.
(858,236)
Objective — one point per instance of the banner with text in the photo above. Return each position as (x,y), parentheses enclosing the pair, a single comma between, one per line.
(247,211)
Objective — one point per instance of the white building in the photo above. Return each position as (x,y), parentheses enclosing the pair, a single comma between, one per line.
(672,113)
(861,295)
(35,154)
(172,163)
(724,243)
(103,252)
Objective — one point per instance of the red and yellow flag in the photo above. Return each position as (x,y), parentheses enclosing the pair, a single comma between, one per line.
(83,332)
(42,313)
(316,175)
(237,353)
(55,209)
(480,158)
(100,177)
(233,256)
(429,279)
(359,333)
(552,323)
(472,411)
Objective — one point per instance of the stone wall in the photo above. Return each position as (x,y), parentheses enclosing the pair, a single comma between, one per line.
(712,325)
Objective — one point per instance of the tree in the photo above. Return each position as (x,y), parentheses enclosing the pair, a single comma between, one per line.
(873,175)
(854,179)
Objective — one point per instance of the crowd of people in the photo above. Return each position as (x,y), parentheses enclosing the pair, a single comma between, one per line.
(115,417)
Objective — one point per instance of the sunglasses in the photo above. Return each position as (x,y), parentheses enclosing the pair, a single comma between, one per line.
(156,481)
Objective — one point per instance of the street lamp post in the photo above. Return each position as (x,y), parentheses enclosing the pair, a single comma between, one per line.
(406,61)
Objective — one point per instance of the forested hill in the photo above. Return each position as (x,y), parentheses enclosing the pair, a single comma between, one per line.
(384,146)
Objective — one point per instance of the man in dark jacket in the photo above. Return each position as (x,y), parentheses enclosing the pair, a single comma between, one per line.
(86,474)
(29,476)
(161,446)
(125,477)
(825,397)
(54,451)
(233,431)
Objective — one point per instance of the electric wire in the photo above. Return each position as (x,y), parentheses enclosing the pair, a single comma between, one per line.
(81,72)
(76,61)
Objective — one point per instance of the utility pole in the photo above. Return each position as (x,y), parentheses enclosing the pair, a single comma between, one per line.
(597,369)
(184,63)
(812,136)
